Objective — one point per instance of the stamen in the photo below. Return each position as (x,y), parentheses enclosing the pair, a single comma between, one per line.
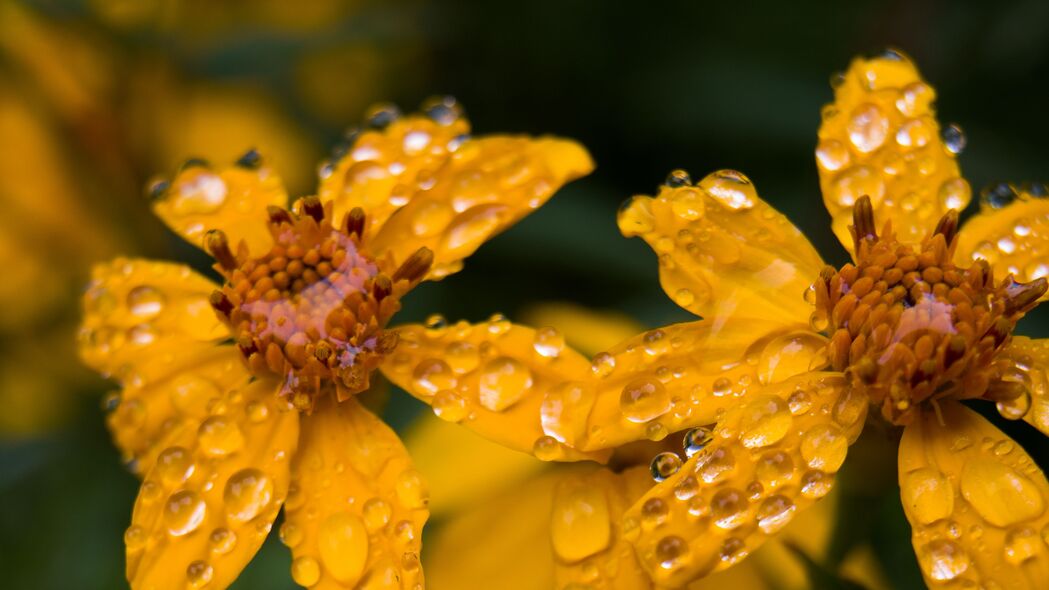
(382,287)
(312,206)
(278,215)
(221,303)
(354,224)
(415,267)
(217,245)
(948,226)
(863,221)
(1021,296)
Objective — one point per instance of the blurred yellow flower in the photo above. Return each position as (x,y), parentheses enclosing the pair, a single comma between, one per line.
(237,401)
(774,383)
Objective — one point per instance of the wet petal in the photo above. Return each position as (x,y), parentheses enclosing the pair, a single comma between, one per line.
(723,251)
(1013,238)
(1028,366)
(209,500)
(880,138)
(355,515)
(587,330)
(481,189)
(976,502)
(504,538)
(678,377)
(491,377)
(233,200)
(440,451)
(768,459)
(586,529)
(135,308)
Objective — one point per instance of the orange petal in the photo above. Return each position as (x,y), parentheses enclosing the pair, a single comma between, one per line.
(880,138)
(233,200)
(1029,358)
(723,251)
(1014,238)
(586,529)
(484,187)
(768,458)
(491,377)
(209,500)
(975,500)
(355,514)
(677,377)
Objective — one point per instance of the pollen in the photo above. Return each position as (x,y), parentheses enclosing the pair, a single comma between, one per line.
(908,326)
(313,309)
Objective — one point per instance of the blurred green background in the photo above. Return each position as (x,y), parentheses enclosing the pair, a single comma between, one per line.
(97,97)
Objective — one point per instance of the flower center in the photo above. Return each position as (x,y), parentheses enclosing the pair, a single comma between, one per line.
(908,326)
(312,310)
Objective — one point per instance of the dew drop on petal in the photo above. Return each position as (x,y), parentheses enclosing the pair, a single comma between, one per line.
(774,513)
(671,552)
(696,440)
(731,189)
(219,436)
(504,381)
(764,421)
(305,571)
(247,493)
(342,542)
(664,465)
(184,512)
(943,560)
(377,514)
(644,399)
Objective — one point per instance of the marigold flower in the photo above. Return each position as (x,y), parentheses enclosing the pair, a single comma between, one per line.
(238,401)
(774,383)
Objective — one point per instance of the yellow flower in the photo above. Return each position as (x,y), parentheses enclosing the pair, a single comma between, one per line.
(774,383)
(240,400)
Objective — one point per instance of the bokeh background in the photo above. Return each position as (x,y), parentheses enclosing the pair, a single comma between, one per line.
(97,97)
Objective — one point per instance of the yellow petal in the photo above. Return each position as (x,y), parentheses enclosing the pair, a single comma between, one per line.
(585,330)
(1014,238)
(209,500)
(1029,364)
(769,457)
(134,308)
(975,500)
(880,138)
(586,529)
(480,189)
(491,377)
(233,200)
(501,542)
(677,377)
(355,515)
(723,251)
(440,451)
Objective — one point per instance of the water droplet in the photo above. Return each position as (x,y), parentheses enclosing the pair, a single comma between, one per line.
(997,195)
(305,571)
(199,574)
(377,514)
(248,492)
(998,493)
(687,204)
(198,192)
(953,138)
(257,412)
(184,512)
(855,182)
(1022,544)
(927,495)
(832,155)
(448,405)
(433,375)
(671,552)
(656,431)
(823,447)
(664,465)
(914,133)
(498,324)
(546,448)
(580,523)
(504,381)
(764,421)
(644,399)
(686,488)
(1017,407)
(565,409)
(462,357)
(412,490)
(799,402)
(721,387)
(342,542)
(145,301)
(955,193)
(816,484)
(135,538)
(290,534)
(548,342)
(729,508)
(774,468)
(943,560)
(731,189)
(219,436)
(678,178)
(696,440)
(431,218)
(868,127)
(653,513)
(732,550)
(774,513)
(174,465)
(603,364)
(716,466)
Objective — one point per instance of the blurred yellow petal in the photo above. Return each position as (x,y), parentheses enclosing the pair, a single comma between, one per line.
(1013,238)
(462,467)
(586,529)
(501,542)
(585,330)
(208,502)
(861,566)
(724,252)
(491,377)
(975,500)
(233,200)
(880,138)
(679,376)
(768,458)
(480,189)
(1029,361)
(355,515)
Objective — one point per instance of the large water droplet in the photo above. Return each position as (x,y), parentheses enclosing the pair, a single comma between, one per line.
(644,399)
(580,524)
(219,436)
(671,552)
(305,571)
(448,405)
(729,508)
(664,465)
(343,545)
(198,193)
(183,512)
(731,189)
(222,541)
(868,127)
(774,468)
(377,514)
(504,381)
(548,342)
(943,560)
(774,513)
(1022,544)
(765,420)
(145,301)
(433,375)
(717,466)
(199,574)
(823,447)
(412,490)
(953,138)
(927,495)
(248,492)
(462,357)
(1000,494)
(174,465)
(696,440)
(832,155)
